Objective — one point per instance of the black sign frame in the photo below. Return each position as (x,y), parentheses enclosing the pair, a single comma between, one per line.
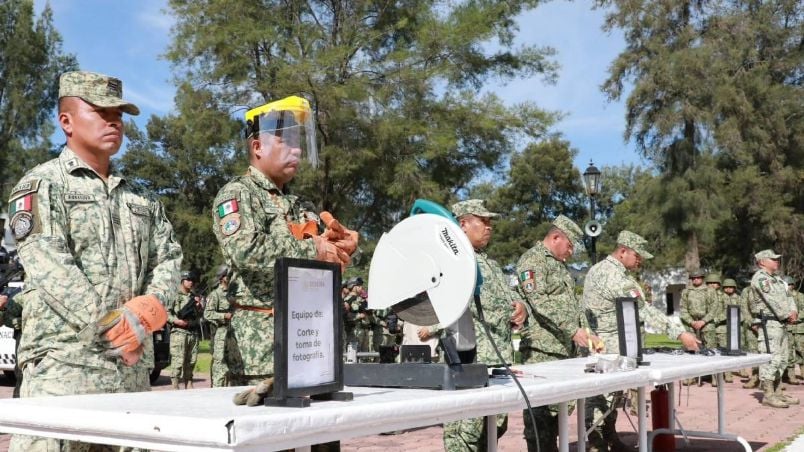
(629,323)
(733,322)
(300,396)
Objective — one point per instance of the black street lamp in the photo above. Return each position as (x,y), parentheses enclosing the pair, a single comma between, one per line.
(591,178)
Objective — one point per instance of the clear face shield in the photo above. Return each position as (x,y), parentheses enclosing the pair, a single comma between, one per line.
(285,126)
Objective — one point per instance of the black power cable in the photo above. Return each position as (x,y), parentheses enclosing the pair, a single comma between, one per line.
(504,362)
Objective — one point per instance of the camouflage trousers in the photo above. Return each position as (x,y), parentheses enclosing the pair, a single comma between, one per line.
(219,368)
(596,408)
(750,340)
(470,434)
(778,340)
(183,354)
(55,378)
(796,350)
(546,433)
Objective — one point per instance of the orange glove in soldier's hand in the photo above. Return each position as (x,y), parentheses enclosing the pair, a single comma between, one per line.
(304,230)
(345,239)
(328,252)
(122,331)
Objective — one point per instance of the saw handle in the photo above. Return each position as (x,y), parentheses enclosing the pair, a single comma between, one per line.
(427,206)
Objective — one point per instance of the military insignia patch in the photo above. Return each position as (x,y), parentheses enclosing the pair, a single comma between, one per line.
(633,293)
(22,204)
(227,207)
(230,223)
(526,281)
(22,224)
(764,284)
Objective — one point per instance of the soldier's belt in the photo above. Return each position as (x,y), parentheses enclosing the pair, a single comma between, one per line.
(267,311)
(770,318)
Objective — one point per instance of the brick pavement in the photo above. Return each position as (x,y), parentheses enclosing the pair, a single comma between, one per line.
(761,426)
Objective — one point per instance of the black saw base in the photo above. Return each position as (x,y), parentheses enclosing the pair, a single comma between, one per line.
(416,375)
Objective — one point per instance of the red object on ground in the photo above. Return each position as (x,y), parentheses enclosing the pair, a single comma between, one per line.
(659,405)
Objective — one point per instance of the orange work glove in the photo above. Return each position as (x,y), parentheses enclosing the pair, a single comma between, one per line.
(123,330)
(328,252)
(304,230)
(345,239)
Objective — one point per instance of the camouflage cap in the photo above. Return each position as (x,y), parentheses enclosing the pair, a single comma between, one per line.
(728,282)
(568,227)
(187,275)
(97,89)
(635,242)
(712,278)
(697,273)
(766,254)
(474,207)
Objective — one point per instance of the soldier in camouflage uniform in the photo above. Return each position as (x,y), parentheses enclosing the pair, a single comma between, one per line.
(751,332)
(498,301)
(696,314)
(100,259)
(796,332)
(184,333)
(605,282)
(257,221)
(773,307)
(717,310)
(218,312)
(557,325)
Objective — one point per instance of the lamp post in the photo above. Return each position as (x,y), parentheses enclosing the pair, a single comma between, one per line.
(591,178)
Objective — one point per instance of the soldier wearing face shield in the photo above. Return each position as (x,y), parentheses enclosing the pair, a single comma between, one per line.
(257,221)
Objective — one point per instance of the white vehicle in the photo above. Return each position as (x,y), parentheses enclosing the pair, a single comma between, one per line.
(8,344)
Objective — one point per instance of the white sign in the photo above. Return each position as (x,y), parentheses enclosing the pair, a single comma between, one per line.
(631,329)
(311,346)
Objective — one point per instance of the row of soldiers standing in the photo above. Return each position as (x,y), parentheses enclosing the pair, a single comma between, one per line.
(703,311)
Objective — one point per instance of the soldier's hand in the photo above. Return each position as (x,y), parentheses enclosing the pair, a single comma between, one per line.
(793,317)
(227,317)
(3,301)
(122,331)
(689,341)
(328,252)
(520,314)
(256,395)
(345,239)
(423,333)
(181,323)
(698,324)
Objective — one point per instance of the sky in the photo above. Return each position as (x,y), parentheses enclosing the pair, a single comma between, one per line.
(127,39)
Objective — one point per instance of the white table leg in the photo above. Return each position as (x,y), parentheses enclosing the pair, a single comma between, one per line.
(491,433)
(563,430)
(580,414)
(643,420)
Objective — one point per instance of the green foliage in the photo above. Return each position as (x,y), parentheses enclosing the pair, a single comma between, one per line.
(541,184)
(394,87)
(186,158)
(716,107)
(30,61)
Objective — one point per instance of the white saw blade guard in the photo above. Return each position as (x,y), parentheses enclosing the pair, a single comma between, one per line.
(424,253)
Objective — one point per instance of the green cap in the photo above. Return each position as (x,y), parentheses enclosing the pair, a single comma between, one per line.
(97,89)
(712,278)
(766,254)
(636,242)
(472,207)
(697,273)
(728,282)
(568,227)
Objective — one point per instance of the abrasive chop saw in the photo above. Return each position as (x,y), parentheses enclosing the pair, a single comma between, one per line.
(424,269)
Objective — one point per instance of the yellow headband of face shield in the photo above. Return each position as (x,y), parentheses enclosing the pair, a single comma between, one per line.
(296,105)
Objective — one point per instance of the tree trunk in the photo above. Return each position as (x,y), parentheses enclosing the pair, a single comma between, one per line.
(692,260)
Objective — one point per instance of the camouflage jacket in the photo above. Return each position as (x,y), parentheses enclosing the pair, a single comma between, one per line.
(250,220)
(496,297)
(92,245)
(605,282)
(217,306)
(555,312)
(773,290)
(699,303)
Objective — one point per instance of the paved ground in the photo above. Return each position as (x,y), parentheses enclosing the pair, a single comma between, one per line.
(762,427)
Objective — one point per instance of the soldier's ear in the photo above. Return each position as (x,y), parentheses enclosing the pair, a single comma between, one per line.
(66,122)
